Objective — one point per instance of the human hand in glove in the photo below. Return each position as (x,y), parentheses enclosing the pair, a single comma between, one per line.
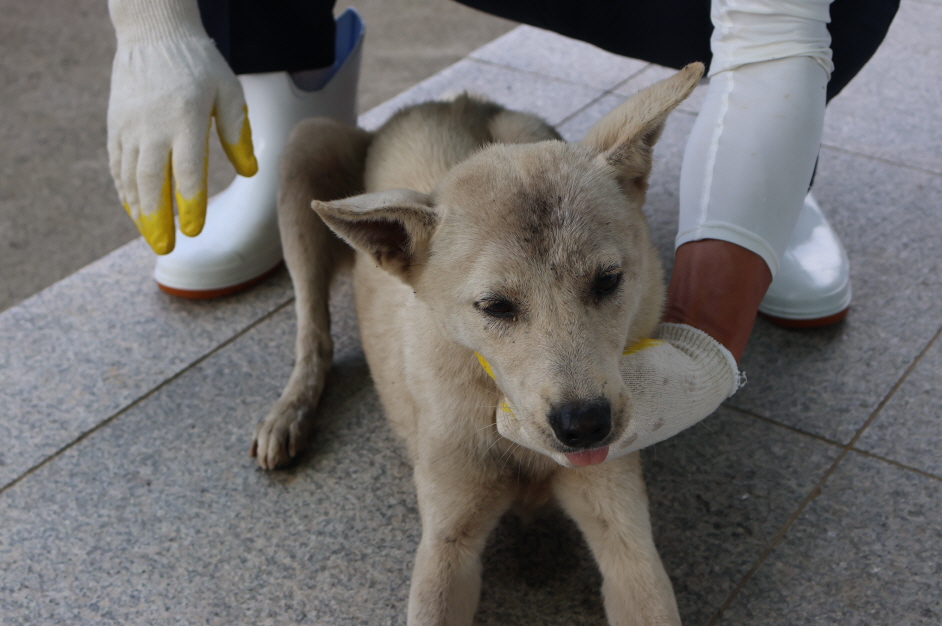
(167,82)
(675,380)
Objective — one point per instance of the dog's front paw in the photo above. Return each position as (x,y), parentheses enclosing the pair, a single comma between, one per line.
(282,434)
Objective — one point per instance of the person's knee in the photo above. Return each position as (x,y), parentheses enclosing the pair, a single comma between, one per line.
(754,31)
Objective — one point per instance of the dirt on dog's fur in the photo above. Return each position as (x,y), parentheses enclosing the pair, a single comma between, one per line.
(482,232)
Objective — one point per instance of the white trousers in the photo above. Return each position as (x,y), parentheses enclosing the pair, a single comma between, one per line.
(750,157)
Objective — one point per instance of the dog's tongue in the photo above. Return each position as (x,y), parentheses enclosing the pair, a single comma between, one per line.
(588,457)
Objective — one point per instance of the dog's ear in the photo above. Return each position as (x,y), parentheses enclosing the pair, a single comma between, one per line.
(394,227)
(625,137)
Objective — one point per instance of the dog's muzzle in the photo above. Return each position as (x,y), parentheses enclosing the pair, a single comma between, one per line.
(581,423)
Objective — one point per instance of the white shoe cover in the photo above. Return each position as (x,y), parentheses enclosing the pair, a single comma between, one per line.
(813,280)
(240,241)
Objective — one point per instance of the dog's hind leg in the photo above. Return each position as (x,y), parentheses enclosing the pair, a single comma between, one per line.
(609,503)
(459,509)
(324,160)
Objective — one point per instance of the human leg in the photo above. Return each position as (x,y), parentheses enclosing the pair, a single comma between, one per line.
(240,244)
(672,33)
(748,162)
(812,287)
(750,32)
(257,37)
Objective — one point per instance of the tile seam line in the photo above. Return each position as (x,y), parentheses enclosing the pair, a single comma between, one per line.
(879,159)
(831,442)
(817,489)
(580,110)
(897,464)
(114,416)
(556,79)
(603,94)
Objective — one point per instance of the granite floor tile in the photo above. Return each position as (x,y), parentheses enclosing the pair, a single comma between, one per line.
(54,68)
(891,109)
(76,353)
(575,127)
(539,571)
(550,99)
(909,428)
(831,380)
(867,551)
(162,518)
(548,54)
(719,492)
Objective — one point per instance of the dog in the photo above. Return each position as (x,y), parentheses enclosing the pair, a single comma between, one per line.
(490,260)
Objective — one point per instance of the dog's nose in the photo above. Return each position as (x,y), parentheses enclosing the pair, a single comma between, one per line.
(581,423)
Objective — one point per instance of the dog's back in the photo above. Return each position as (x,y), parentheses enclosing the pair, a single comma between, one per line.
(420,144)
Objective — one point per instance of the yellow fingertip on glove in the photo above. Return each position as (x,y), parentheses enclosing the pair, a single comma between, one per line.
(192,210)
(242,154)
(641,344)
(157,227)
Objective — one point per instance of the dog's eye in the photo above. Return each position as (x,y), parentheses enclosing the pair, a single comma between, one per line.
(498,308)
(607,283)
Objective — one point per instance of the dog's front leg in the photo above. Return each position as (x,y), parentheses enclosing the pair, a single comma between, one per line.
(459,505)
(324,160)
(610,505)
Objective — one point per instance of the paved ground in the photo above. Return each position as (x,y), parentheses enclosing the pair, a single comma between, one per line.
(813,497)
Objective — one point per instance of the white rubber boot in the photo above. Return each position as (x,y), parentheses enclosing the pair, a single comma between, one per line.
(812,286)
(240,243)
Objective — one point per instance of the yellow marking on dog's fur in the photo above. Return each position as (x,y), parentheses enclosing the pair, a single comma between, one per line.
(485,365)
(487,368)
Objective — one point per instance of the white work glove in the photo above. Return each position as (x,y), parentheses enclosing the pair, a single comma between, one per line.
(167,82)
(676,379)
